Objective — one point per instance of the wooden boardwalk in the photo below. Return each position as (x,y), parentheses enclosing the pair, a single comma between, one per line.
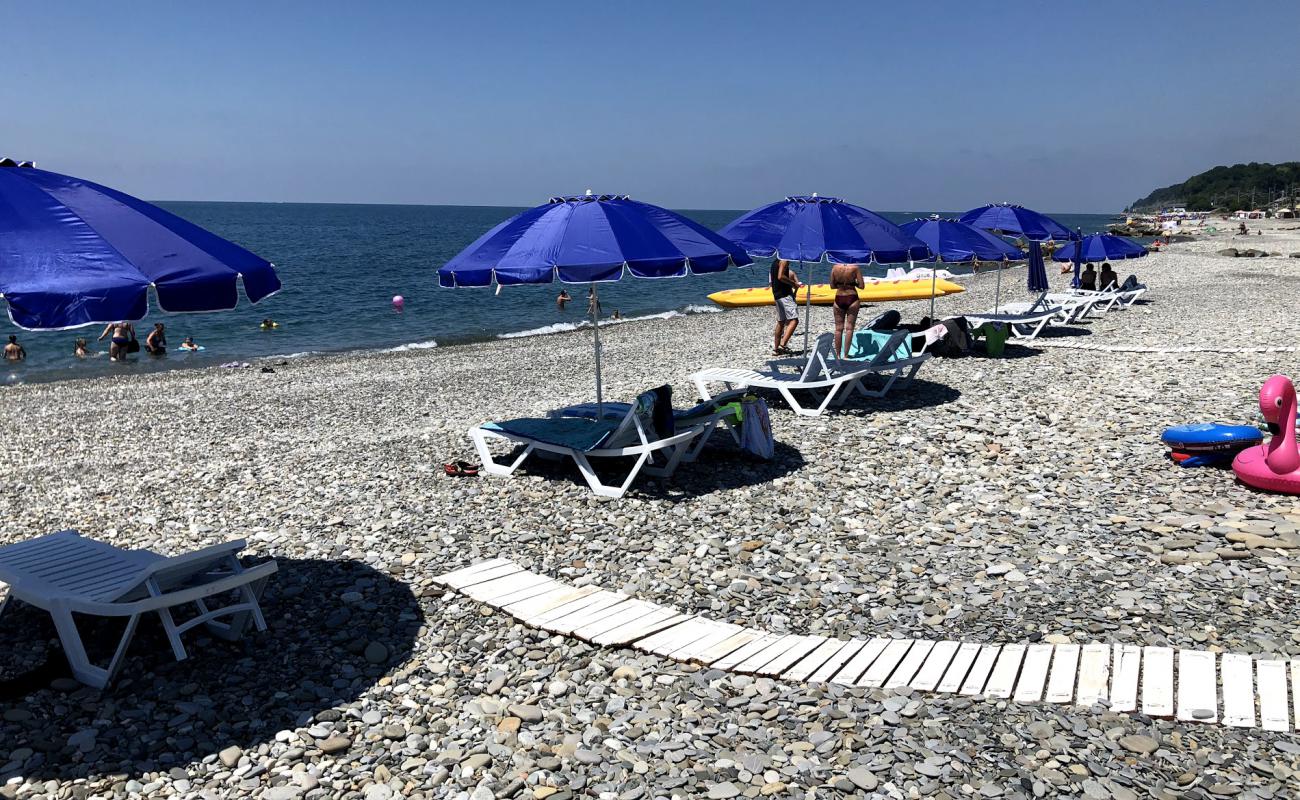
(1191,685)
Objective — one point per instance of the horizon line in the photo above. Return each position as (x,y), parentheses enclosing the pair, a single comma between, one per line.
(487,205)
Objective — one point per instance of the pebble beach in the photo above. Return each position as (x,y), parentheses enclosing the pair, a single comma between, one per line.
(995,500)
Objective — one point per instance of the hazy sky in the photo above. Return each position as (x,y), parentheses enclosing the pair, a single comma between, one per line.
(897,106)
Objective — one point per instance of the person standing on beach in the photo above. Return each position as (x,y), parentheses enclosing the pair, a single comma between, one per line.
(155,344)
(14,351)
(784,286)
(846,280)
(562,300)
(122,333)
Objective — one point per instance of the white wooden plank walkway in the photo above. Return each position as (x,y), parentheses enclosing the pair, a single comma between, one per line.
(1160,681)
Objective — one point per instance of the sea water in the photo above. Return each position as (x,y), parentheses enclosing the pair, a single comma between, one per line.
(341,265)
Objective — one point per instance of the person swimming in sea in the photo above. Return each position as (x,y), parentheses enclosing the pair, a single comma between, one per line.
(268,324)
(189,345)
(155,344)
(562,299)
(14,351)
(79,348)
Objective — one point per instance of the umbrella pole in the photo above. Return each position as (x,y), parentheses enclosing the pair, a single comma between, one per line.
(595,322)
(997,291)
(807,312)
(934,281)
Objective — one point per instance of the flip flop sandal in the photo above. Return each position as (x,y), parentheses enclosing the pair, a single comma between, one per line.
(467,468)
(452,470)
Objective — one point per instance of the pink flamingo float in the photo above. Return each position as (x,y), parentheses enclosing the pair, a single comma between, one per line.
(1274,465)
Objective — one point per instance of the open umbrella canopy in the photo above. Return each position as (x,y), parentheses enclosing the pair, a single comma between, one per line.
(957,242)
(1100,247)
(814,228)
(588,239)
(1012,220)
(75,253)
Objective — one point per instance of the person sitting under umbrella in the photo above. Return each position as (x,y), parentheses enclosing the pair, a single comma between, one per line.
(1109,279)
(1088,278)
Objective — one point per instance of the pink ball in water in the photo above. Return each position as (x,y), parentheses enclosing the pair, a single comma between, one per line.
(398,301)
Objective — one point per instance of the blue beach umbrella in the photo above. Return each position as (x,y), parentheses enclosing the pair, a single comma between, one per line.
(1100,247)
(814,228)
(591,239)
(1007,219)
(75,253)
(955,242)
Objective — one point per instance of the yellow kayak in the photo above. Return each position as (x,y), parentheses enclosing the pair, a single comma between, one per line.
(823,295)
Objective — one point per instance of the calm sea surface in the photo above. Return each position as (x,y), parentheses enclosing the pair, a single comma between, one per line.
(341,265)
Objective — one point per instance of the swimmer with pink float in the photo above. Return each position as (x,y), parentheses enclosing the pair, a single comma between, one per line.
(1274,465)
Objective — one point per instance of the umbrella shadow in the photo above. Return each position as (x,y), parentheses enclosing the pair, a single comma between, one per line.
(917,394)
(1063,332)
(720,465)
(335,628)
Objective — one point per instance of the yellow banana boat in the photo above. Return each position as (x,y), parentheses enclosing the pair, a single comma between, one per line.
(880,291)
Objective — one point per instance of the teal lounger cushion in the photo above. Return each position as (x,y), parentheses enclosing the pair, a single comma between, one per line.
(866,345)
(579,434)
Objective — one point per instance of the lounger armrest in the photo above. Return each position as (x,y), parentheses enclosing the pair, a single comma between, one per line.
(172,598)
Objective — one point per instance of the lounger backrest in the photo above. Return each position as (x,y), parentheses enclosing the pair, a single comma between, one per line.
(170,573)
(638,427)
(817,365)
(880,347)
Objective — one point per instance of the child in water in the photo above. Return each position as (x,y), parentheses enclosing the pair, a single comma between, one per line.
(79,348)
(189,344)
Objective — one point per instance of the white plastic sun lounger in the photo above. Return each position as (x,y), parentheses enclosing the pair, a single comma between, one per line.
(583,439)
(1025,325)
(828,380)
(1113,295)
(67,574)
(709,415)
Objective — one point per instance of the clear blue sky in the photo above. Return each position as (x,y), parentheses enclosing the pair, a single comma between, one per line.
(902,106)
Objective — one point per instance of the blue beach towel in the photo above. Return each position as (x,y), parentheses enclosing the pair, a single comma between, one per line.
(580,434)
(867,345)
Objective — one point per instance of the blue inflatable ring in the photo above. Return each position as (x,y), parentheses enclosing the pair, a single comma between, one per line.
(1208,437)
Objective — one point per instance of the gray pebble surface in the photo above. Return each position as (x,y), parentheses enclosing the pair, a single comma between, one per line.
(1025,498)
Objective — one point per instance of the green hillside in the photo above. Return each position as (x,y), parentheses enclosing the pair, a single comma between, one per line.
(1241,186)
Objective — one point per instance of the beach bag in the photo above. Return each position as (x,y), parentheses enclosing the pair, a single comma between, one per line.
(887,321)
(756,428)
(133,346)
(957,341)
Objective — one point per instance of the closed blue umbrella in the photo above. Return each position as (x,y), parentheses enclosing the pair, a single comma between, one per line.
(956,242)
(75,253)
(1037,269)
(1100,247)
(814,228)
(591,239)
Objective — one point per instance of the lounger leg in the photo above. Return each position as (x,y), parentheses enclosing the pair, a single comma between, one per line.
(173,636)
(250,608)
(584,466)
(676,454)
(75,649)
(485,455)
(703,388)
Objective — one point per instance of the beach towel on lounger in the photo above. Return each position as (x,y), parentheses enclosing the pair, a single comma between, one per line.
(866,345)
(580,434)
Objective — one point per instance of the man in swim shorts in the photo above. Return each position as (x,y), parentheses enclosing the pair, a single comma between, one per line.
(784,285)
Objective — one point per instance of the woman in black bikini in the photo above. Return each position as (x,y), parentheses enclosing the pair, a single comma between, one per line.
(846,280)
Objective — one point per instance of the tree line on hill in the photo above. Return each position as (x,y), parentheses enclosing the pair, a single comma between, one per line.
(1241,186)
